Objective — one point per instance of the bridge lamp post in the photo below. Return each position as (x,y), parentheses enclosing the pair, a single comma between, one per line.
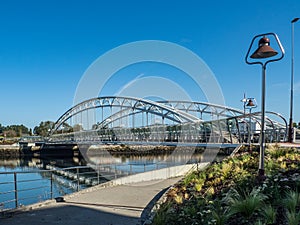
(244,100)
(261,56)
(251,103)
(290,135)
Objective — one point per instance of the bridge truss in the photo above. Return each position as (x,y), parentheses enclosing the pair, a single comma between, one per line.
(131,120)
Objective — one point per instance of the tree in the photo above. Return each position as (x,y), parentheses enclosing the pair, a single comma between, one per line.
(67,128)
(77,127)
(43,128)
(14,130)
(10,133)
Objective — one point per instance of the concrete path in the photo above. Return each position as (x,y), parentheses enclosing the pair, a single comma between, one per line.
(116,205)
(290,145)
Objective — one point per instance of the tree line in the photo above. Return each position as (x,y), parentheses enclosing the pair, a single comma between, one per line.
(43,129)
(12,131)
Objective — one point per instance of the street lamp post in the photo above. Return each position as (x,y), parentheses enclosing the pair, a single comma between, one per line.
(251,103)
(263,51)
(290,135)
(248,103)
(244,100)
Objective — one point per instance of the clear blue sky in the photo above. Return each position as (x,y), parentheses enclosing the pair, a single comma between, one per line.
(46,46)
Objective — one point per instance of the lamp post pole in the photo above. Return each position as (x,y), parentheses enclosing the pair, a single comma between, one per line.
(251,103)
(290,137)
(244,100)
(250,131)
(263,52)
(261,167)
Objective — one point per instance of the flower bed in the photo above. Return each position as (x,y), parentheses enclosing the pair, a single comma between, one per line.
(229,192)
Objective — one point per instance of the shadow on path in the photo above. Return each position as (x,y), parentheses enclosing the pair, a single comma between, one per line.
(69,215)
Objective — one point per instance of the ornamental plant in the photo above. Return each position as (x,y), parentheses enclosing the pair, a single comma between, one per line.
(229,193)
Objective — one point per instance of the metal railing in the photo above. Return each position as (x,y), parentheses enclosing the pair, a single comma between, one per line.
(28,187)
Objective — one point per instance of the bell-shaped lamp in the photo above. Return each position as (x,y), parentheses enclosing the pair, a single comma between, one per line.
(264,50)
(250,103)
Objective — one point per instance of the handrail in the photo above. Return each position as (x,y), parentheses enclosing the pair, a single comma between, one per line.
(44,190)
(78,177)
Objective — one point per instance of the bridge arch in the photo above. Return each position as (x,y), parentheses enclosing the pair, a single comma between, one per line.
(124,104)
(133,119)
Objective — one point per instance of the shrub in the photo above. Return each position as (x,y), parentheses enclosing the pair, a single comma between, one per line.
(246,204)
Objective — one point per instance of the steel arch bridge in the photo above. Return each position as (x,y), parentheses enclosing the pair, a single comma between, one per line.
(132,120)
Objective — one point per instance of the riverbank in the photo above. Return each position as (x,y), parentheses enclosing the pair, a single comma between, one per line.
(10,151)
(61,150)
(140,149)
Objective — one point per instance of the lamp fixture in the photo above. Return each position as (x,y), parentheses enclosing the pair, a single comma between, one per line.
(264,50)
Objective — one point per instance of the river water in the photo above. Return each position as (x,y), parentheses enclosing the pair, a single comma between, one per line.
(34,183)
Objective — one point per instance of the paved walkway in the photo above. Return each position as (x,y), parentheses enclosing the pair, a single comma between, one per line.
(290,145)
(116,205)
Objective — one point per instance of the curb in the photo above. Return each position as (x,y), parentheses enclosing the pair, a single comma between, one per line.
(151,212)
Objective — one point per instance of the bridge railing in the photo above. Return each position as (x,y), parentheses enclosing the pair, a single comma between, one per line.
(230,130)
(296,133)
